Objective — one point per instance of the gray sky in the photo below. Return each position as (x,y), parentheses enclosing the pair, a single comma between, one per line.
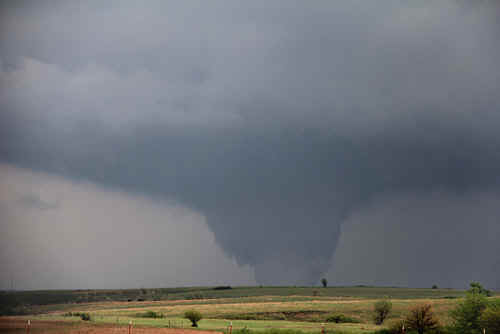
(278,141)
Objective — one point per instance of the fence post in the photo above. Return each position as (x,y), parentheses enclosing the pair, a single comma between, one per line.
(322,328)
(129,326)
(28,325)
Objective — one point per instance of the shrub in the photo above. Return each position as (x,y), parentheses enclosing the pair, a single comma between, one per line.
(382,309)
(477,287)
(465,315)
(340,318)
(490,319)
(193,316)
(245,330)
(324,282)
(280,316)
(83,316)
(223,287)
(195,295)
(336,318)
(434,286)
(422,319)
(396,327)
(150,314)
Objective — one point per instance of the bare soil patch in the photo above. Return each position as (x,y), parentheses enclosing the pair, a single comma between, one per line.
(13,325)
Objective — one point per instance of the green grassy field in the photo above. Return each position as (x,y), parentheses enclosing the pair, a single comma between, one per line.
(255,308)
(9,300)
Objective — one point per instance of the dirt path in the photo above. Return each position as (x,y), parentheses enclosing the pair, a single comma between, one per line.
(14,325)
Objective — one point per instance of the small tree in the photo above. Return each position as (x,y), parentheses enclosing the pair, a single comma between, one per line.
(477,287)
(194,316)
(324,282)
(434,286)
(466,315)
(382,309)
(490,319)
(422,319)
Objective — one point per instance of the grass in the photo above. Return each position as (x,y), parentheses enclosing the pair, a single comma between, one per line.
(29,302)
(360,309)
(221,325)
(262,313)
(50,297)
(218,316)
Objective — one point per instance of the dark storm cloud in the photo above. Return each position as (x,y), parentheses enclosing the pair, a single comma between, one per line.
(417,251)
(275,120)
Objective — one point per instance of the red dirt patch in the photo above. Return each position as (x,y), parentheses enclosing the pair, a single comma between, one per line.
(18,326)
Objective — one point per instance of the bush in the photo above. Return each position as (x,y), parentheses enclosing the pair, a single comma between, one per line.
(150,314)
(280,316)
(422,319)
(324,282)
(382,309)
(466,315)
(490,319)
(396,327)
(340,318)
(245,330)
(83,316)
(223,288)
(194,316)
(477,287)
(195,295)
(434,286)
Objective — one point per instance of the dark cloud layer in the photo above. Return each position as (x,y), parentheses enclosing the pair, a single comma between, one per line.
(277,121)
(452,256)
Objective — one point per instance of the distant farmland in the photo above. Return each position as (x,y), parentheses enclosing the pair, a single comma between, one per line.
(254,308)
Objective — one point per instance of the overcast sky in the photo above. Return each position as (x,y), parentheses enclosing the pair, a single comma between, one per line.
(169,143)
